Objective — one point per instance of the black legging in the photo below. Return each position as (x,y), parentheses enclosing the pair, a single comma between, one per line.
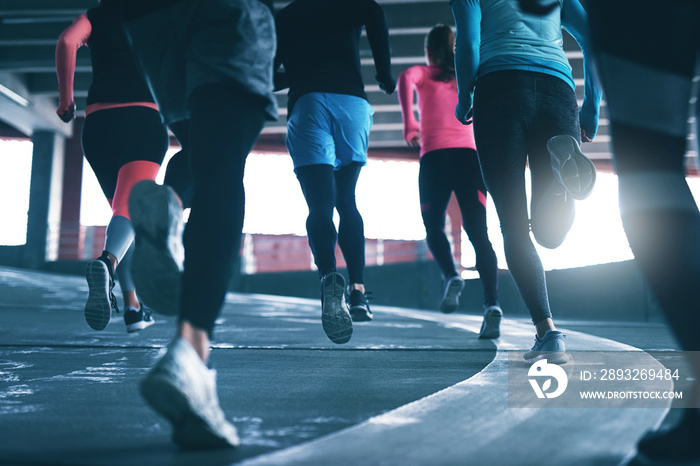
(225,123)
(457,170)
(178,174)
(324,189)
(659,214)
(114,137)
(515,114)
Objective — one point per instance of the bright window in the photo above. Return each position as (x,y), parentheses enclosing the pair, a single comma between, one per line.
(15,178)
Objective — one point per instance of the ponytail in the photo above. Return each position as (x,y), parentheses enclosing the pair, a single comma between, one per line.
(439,43)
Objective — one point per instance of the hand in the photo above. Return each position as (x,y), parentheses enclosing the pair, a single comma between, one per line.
(414,141)
(386,85)
(464,116)
(66,112)
(584,137)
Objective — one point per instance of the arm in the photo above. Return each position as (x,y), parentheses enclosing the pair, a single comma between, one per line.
(70,40)
(575,21)
(378,37)
(407,81)
(279,77)
(467,15)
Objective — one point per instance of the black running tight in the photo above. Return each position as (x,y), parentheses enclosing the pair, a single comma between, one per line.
(649,128)
(325,189)
(515,113)
(457,170)
(225,123)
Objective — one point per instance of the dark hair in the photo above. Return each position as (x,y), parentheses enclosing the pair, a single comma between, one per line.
(440,43)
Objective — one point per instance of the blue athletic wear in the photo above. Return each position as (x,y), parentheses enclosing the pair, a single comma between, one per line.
(495,35)
(330,129)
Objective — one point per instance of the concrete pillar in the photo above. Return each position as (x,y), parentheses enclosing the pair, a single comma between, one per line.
(70,245)
(44,197)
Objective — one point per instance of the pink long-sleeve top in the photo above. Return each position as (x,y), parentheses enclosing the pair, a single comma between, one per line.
(438,126)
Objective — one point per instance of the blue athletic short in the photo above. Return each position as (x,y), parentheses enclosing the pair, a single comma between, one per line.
(330,129)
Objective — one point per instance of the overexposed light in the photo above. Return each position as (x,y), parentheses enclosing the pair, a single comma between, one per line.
(596,237)
(94,207)
(15,178)
(387,197)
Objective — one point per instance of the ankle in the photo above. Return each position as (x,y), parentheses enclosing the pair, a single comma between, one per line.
(357,286)
(543,326)
(199,339)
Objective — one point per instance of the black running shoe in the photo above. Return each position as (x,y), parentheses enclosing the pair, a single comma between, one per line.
(335,317)
(359,306)
(101,299)
(137,319)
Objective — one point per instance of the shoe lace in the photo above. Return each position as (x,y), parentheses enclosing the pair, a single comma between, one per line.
(112,299)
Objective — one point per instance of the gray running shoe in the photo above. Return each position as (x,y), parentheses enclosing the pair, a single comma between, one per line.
(450,297)
(101,299)
(335,316)
(182,388)
(159,254)
(491,326)
(550,347)
(571,168)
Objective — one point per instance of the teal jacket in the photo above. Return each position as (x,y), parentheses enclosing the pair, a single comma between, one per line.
(495,35)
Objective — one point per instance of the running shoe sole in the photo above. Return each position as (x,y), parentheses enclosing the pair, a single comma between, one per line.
(572,169)
(190,430)
(491,326)
(552,357)
(98,309)
(335,317)
(136,326)
(450,302)
(159,254)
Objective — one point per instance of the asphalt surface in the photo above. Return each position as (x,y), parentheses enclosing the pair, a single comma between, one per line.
(411,387)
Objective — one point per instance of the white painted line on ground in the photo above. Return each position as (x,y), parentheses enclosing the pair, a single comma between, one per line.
(470,422)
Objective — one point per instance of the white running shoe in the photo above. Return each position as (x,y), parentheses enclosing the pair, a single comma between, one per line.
(159,254)
(182,388)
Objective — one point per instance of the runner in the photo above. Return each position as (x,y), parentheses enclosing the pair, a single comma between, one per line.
(329,120)
(526,112)
(448,163)
(124,142)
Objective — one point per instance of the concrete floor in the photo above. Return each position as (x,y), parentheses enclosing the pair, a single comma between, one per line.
(411,388)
